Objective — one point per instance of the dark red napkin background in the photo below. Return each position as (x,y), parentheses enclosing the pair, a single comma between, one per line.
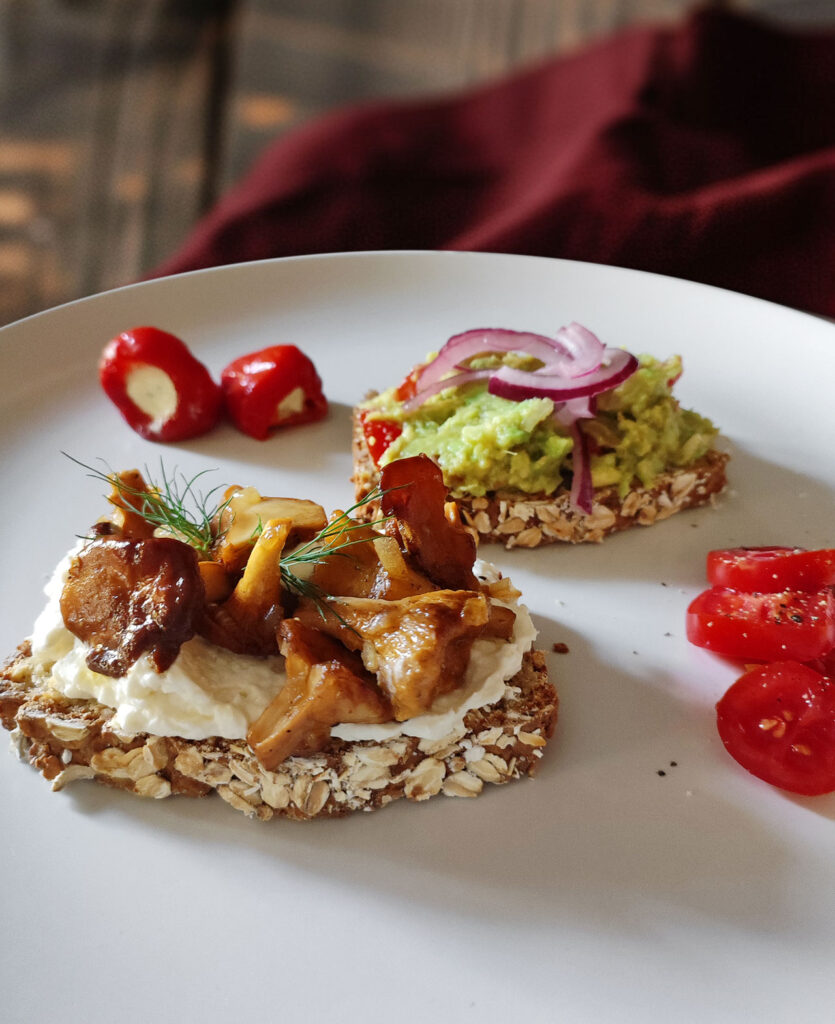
(704,151)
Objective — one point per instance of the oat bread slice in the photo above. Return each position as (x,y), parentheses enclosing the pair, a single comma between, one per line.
(516,519)
(68,740)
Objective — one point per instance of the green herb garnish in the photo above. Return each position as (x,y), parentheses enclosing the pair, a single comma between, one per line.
(320,547)
(172,504)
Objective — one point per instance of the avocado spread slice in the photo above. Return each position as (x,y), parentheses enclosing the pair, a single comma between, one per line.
(484,443)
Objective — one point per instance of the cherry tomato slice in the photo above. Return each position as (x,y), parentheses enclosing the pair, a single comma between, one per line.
(778,722)
(825,664)
(763,627)
(378,434)
(769,570)
(407,388)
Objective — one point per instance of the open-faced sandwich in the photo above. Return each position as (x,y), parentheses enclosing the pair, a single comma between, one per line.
(298,665)
(544,439)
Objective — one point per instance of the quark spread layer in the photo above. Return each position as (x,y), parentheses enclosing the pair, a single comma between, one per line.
(211,691)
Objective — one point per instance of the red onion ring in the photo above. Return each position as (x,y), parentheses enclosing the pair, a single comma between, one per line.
(576,366)
(582,492)
(477,342)
(507,382)
(586,350)
(461,347)
(568,412)
(456,380)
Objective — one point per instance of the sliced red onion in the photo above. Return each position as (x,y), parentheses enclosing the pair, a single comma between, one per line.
(576,367)
(500,339)
(567,413)
(573,352)
(456,380)
(586,350)
(508,382)
(582,492)
(462,347)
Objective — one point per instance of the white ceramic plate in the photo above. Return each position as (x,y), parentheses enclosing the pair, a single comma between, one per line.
(617,886)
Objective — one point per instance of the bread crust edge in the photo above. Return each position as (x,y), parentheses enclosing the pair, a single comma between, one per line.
(70,740)
(516,519)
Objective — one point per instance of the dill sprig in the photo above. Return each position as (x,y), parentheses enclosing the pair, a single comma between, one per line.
(321,547)
(171,503)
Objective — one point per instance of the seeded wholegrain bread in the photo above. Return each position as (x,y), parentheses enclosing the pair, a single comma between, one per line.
(516,519)
(68,740)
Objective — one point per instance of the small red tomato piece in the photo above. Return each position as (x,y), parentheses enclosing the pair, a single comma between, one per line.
(825,664)
(768,570)
(276,387)
(407,388)
(163,392)
(763,627)
(378,434)
(778,722)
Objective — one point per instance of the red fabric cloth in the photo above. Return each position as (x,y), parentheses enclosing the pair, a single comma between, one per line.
(704,151)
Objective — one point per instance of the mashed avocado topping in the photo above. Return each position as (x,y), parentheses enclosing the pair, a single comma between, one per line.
(485,443)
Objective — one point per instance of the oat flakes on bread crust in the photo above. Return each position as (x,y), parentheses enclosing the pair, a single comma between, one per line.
(69,740)
(516,519)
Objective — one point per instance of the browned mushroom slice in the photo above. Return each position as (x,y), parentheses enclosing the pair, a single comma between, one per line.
(501,622)
(218,582)
(126,497)
(364,564)
(128,597)
(352,570)
(246,512)
(325,685)
(415,494)
(396,578)
(247,621)
(418,646)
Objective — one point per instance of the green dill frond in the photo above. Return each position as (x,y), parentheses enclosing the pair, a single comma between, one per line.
(257,530)
(172,503)
(305,588)
(321,547)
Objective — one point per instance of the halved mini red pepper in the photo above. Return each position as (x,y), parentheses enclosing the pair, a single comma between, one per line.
(163,392)
(276,387)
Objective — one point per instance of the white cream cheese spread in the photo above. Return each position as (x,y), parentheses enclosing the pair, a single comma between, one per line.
(153,391)
(491,663)
(210,691)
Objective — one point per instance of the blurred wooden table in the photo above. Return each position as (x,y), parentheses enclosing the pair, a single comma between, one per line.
(121,121)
